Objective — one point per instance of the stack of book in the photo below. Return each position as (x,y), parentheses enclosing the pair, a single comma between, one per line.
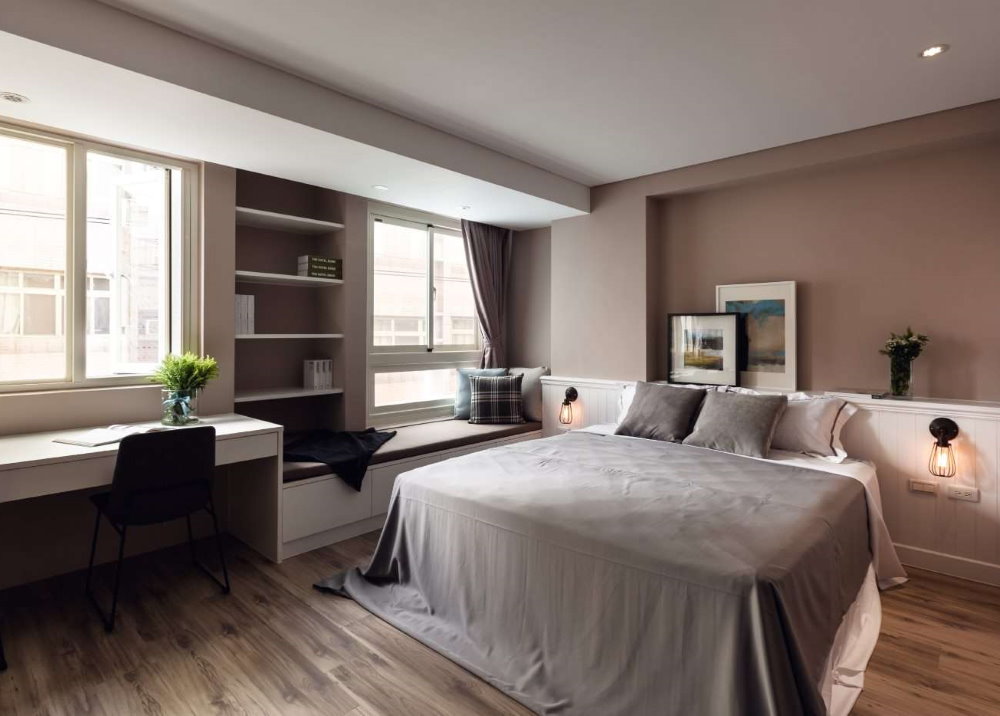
(321,267)
(244,315)
(317,374)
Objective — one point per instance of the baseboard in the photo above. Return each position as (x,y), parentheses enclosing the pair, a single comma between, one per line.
(337,534)
(949,564)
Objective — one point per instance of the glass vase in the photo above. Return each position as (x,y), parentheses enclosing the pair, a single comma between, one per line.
(180,407)
(901,377)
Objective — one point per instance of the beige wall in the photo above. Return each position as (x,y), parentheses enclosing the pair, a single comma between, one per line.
(874,247)
(529,299)
(911,185)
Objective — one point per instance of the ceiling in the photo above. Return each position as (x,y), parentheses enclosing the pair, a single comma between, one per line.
(599,90)
(136,110)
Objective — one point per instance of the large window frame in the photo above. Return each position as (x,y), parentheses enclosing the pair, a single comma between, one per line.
(183,263)
(428,356)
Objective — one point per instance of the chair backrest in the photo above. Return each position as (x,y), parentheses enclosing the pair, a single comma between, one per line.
(163,475)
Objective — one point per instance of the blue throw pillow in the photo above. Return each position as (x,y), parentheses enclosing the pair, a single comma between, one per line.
(463,396)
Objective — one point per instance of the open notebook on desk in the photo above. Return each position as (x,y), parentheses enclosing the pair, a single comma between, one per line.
(106,436)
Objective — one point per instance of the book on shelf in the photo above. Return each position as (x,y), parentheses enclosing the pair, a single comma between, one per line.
(321,267)
(858,393)
(317,374)
(244,314)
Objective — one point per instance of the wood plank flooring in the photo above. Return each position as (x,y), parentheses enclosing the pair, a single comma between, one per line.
(276,646)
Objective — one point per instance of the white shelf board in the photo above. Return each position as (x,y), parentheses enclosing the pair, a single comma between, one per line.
(283,279)
(252,396)
(278,336)
(261,219)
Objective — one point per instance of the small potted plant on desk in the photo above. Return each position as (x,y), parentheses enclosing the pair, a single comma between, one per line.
(182,378)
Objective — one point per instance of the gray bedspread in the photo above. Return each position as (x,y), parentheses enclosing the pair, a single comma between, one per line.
(590,574)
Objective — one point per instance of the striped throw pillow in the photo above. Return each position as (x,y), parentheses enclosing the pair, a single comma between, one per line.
(496,400)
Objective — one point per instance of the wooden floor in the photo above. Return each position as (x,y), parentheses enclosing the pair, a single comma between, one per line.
(277,646)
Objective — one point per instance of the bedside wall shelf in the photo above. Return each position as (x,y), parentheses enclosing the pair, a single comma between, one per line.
(261,219)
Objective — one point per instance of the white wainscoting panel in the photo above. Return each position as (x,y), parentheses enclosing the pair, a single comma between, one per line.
(931,531)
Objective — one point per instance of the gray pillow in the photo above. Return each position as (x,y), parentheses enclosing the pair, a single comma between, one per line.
(463,396)
(661,412)
(809,426)
(531,391)
(740,424)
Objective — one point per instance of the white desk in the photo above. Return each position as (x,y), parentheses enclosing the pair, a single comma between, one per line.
(32,466)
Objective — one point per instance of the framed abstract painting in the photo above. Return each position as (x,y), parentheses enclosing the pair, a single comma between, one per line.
(770,331)
(705,348)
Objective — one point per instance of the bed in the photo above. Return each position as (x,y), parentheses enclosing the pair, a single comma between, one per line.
(591,573)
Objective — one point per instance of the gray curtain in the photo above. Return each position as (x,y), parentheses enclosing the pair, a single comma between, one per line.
(487,249)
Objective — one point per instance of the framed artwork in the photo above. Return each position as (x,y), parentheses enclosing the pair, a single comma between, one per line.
(770,331)
(705,348)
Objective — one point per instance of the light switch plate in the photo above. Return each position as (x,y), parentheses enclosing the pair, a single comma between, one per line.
(963,492)
(923,486)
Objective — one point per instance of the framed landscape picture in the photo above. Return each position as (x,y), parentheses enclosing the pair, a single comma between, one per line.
(770,331)
(705,348)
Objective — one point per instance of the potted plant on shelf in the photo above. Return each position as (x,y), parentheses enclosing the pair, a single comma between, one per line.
(182,378)
(902,351)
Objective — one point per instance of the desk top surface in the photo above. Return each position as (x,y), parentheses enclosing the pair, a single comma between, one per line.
(31,449)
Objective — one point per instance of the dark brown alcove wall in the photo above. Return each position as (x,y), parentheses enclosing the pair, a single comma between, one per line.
(874,246)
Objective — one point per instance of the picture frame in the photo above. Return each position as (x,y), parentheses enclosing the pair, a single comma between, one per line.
(705,348)
(770,331)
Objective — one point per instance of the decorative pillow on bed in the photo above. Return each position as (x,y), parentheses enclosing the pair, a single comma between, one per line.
(531,391)
(627,395)
(661,412)
(462,394)
(811,424)
(496,400)
(737,423)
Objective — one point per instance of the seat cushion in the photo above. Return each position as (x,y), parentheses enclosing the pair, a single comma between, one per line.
(416,440)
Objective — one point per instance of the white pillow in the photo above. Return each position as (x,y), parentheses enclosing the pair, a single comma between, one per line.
(812,425)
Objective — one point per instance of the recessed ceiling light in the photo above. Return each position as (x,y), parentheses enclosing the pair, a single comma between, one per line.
(14,97)
(380,187)
(466,207)
(934,50)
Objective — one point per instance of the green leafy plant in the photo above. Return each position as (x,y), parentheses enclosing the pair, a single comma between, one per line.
(187,372)
(902,351)
(905,346)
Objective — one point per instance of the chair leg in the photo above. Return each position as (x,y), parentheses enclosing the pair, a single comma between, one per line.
(93,549)
(224,582)
(194,557)
(3,659)
(110,625)
(109,621)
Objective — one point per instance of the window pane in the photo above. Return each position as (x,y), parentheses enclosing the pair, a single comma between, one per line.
(127,263)
(32,253)
(454,306)
(415,386)
(400,285)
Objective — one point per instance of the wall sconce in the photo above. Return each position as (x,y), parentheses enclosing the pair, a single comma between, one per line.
(942,462)
(566,411)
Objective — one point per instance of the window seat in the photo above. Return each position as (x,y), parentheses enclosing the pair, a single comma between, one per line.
(418,440)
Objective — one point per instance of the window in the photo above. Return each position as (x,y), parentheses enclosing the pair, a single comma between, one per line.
(95,248)
(423,316)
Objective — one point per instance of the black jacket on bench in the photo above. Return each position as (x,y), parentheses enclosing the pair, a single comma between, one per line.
(347,454)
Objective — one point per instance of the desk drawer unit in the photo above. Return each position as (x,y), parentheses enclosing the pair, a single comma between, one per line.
(243,448)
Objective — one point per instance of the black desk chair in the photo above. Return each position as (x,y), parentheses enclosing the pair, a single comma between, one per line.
(158,477)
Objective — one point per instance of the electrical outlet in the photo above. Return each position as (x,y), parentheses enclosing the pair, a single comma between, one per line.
(923,486)
(963,492)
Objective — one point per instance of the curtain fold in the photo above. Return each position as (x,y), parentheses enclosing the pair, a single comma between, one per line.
(487,250)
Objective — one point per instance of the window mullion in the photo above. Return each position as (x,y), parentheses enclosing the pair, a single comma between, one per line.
(76,274)
(430,288)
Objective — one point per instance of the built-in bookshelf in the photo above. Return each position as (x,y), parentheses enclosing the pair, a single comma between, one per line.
(295,318)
